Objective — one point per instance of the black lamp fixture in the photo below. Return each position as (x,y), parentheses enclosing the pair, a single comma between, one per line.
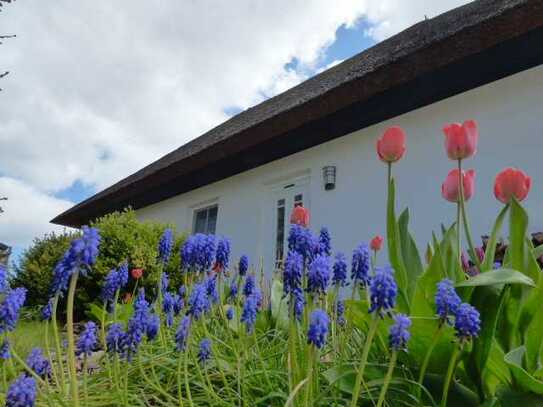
(329,177)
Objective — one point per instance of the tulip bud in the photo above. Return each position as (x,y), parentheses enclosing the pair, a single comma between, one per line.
(136,273)
(512,182)
(376,243)
(391,146)
(300,216)
(450,190)
(461,139)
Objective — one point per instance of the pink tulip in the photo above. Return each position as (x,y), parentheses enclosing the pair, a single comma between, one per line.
(300,216)
(450,190)
(376,243)
(461,139)
(512,182)
(137,273)
(391,146)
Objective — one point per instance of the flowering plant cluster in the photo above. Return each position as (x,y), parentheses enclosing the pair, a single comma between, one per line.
(224,332)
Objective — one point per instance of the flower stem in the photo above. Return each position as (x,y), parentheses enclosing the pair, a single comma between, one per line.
(57,345)
(309,383)
(449,376)
(388,376)
(426,361)
(363,360)
(71,339)
(467,228)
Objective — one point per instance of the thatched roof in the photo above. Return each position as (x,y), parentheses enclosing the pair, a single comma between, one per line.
(434,59)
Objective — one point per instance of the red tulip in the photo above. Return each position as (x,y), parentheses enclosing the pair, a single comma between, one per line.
(461,139)
(450,190)
(137,273)
(376,243)
(391,145)
(510,183)
(300,216)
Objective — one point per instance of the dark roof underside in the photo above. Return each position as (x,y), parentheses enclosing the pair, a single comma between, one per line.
(464,48)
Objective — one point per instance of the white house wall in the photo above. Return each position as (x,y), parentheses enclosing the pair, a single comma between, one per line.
(510,117)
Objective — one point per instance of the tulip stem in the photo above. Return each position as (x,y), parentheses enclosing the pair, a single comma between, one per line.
(365,352)
(449,376)
(467,228)
(388,377)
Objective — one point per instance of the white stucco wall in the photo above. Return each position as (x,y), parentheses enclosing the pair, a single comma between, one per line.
(510,117)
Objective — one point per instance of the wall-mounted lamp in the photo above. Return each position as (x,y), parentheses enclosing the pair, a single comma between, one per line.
(329,177)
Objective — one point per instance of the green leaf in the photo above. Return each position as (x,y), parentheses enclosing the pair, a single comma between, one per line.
(394,246)
(534,341)
(538,251)
(518,225)
(524,379)
(490,253)
(496,277)
(279,305)
(410,253)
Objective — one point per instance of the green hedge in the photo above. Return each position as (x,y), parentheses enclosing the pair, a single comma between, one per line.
(124,237)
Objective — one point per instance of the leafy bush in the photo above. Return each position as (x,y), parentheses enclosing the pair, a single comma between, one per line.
(124,238)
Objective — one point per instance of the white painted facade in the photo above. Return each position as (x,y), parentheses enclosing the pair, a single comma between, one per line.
(510,117)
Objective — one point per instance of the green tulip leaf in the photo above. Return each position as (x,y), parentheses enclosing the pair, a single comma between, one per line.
(498,276)
(523,378)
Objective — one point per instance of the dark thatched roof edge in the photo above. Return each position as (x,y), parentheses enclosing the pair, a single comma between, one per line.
(433,59)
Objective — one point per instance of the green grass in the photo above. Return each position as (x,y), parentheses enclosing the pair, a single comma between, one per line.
(27,335)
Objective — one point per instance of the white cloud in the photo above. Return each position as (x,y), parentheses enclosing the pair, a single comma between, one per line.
(26,212)
(100,89)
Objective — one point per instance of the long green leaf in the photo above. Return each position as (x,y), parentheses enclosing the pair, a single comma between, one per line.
(490,253)
(410,253)
(394,250)
(538,251)
(525,380)
(518,225)
(497,277)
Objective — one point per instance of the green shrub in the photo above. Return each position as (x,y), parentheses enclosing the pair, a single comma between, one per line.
(124,238)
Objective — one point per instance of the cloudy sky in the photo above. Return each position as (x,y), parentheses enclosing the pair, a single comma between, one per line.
(99,89)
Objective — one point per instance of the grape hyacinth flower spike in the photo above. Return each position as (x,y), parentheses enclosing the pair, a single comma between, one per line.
(10,307)
(339,270)
(181,336)
(204,353)
(243,265)
(318,277)
(165,246)
(248,315)
(318,328)
(22,392)
(325,246)
(398,337)
(360,266)
(38,363)
(87,340)
(222,257)
(383,291)
(447,301)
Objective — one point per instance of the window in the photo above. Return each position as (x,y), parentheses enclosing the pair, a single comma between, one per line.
(205,220)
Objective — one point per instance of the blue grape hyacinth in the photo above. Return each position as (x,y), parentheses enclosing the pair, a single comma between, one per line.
(383,291)
(325,246)
(168,304)
(211,289)
(152,327)
(299,303)
(10,307)
(38,363)
(250,284)
(22,392)
(360,266)
(204,353)
(116,339)
(243,265)
(339,270)
(47,310)
(447,301)
(5,350)
(198,252)
(318,277)
(182,334)
(222,257)
(340,312)
(233,291)
(165,246)
(164,282)
(87,340)
(198,301)
(230,313)
(467,323)
(318,328)
(248,314)
(301,240)
(3,279)
(399,333)
(292,272)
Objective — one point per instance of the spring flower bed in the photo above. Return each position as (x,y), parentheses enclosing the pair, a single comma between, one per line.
(324,331)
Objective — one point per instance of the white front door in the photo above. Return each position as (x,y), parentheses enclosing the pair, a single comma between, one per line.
(283,198)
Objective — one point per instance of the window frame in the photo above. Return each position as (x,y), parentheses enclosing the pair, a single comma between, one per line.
(207,209)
